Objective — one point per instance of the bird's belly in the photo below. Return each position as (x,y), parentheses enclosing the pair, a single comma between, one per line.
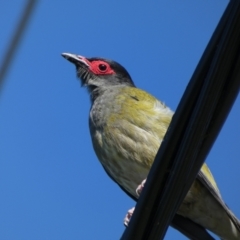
(127,173)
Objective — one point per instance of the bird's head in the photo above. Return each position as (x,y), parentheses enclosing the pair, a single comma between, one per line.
(99,72)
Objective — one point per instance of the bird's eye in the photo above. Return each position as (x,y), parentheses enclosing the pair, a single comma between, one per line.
(102,67)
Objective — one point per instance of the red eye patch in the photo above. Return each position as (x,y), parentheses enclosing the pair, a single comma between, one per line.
(100,67)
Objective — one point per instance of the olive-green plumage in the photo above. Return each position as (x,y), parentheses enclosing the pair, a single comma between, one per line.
(128,136)
(127,126)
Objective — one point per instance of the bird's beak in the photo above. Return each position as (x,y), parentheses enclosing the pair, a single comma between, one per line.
(76,59)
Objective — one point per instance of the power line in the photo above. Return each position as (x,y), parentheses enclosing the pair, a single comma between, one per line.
(200,115)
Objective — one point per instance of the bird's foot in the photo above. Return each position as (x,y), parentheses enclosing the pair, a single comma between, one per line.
(128,216)
(130,212)
(140,187)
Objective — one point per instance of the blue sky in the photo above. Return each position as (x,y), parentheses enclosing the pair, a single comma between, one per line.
(52,185)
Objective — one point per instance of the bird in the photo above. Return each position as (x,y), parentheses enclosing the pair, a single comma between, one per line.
(127,126)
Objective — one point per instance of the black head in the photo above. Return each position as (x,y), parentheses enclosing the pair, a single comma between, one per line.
(99,72)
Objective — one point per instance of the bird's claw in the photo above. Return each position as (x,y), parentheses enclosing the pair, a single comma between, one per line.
(140,187)
(128,216)
(130,212)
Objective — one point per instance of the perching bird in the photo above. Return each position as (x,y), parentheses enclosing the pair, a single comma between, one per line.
(127,126)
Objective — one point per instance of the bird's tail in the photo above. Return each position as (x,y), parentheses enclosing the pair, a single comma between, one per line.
(234,226)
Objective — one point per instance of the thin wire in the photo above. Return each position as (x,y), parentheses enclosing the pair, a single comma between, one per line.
(14,43)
